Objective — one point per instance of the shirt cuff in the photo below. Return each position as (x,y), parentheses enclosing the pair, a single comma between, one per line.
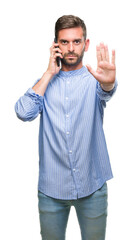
(104,95)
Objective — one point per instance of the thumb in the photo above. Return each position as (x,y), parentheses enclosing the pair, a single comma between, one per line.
(91,70)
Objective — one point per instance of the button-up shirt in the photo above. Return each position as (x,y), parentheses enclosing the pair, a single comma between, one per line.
(73,156)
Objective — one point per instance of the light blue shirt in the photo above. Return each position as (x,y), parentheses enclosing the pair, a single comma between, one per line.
(73,156)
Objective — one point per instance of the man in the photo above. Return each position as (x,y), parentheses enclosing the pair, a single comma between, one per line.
(73,159)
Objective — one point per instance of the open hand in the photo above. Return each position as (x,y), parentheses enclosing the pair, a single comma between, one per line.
(106,70)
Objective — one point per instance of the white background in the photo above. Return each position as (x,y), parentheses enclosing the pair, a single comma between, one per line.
(27,32)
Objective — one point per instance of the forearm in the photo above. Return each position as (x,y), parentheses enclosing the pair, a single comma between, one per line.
(41,86)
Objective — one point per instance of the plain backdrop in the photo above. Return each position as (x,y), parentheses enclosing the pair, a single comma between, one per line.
(27,32)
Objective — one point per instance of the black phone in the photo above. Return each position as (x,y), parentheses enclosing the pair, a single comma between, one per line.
(58,58)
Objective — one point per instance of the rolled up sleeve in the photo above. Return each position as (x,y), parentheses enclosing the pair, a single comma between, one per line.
(29,106)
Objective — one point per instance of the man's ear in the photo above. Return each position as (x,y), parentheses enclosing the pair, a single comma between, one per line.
(87,42)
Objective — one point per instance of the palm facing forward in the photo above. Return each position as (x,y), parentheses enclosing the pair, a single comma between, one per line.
(105,73)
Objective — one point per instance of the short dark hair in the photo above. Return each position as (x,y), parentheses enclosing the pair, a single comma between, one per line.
(69,21)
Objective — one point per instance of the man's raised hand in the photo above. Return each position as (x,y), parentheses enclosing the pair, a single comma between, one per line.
(106,70)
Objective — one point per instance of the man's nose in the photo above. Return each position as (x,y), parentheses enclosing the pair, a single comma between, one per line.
(70,47)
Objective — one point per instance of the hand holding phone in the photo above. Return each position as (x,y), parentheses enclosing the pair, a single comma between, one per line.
(54,60)
(58,58)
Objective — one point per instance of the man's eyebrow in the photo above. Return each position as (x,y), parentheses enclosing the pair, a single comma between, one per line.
(63,40)
(76,39)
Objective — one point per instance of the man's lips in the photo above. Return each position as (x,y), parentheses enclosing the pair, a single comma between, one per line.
(71,56)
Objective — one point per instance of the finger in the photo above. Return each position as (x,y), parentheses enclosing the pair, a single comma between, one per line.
(102,51)
(54,56)
(54,45)
(56,50)
(98,54)
(113,57)
(91,70)
(58,55)
(51,48)
(107,53)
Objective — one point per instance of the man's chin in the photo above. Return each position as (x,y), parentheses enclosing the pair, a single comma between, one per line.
(70,62)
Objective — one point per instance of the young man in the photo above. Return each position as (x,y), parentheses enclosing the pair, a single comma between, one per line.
(73,159)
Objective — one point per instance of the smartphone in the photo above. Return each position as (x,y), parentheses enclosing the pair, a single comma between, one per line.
(58,58)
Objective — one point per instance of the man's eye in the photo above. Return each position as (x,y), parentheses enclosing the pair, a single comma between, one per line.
(77,41)
(64,42)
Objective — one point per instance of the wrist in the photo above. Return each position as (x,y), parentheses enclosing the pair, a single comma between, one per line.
(107,87)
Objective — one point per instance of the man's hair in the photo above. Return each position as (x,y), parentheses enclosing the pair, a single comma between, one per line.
(69,21)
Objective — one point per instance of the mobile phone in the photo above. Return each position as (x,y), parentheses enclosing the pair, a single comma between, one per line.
(58,58)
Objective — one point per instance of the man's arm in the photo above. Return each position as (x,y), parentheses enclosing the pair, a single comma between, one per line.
(30,105)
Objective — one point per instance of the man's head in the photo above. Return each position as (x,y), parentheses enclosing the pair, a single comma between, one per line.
(70,32)
(69,21)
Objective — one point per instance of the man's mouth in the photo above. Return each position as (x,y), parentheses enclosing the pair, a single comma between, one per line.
(71,56)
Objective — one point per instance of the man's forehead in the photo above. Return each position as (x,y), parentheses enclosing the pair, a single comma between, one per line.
(71,33)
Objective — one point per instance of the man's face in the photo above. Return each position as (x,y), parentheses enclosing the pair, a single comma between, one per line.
(71,42)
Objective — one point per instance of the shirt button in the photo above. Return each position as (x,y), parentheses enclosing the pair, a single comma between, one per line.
(70,151)
(66,98)
(74,169)
(67,132)
(67,115)
(68,82)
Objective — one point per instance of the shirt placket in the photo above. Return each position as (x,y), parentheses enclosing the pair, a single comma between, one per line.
(68,131)
(67,116)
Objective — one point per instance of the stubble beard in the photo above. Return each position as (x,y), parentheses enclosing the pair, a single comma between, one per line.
(72,62)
